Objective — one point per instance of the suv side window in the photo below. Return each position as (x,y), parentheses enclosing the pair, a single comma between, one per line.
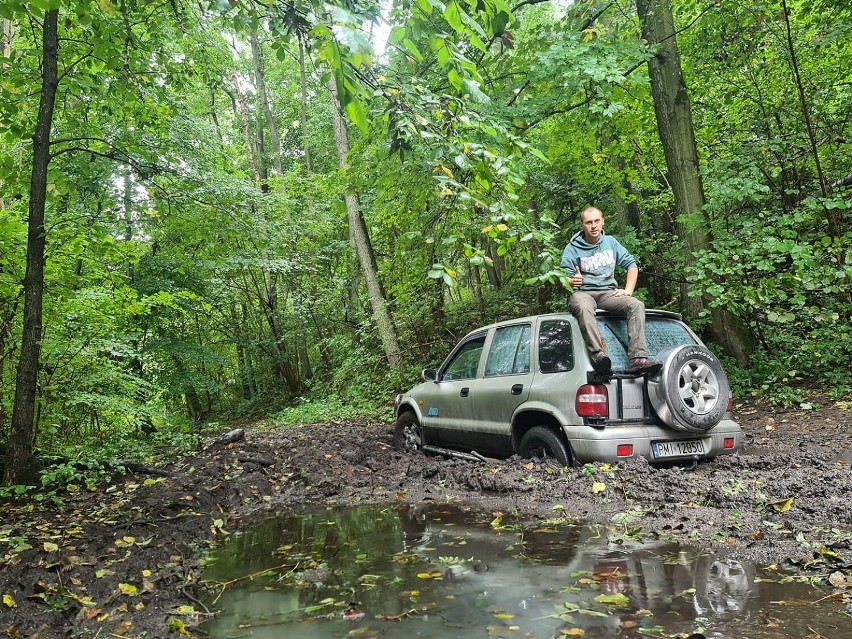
(510,351)
(555,347)
(466,360)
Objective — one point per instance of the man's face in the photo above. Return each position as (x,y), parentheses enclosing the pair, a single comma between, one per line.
(592,226)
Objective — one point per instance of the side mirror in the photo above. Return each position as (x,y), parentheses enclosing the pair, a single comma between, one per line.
(430,375)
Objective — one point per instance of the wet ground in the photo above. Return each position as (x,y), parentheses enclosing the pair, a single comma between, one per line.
(127,560)
(443,571)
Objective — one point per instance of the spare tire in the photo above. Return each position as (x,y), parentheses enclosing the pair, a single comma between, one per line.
(691,391)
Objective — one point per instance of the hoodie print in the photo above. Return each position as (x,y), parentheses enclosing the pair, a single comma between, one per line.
(601,263)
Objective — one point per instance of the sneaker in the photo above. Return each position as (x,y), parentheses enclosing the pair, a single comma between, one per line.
(643,365)
(602,363)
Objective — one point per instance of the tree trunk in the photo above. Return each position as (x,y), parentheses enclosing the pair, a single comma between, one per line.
(492,266)
(243,114)
(674,122)
(360,239)
(260,81)
(624,197)
(21,465)
(215,117)
(306,147)
(3,435)
(6,39)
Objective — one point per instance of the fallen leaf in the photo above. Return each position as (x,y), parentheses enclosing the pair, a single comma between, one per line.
(572,632)
(825,552)
(616,599)
(127,589)
(598,487)
(49,546)
(353,614)
(783,505)
(176,625)
(836,579)
(7,599)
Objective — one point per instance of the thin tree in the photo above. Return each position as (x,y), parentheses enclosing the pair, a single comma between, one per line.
(260,82)
(360,240)
(20,462)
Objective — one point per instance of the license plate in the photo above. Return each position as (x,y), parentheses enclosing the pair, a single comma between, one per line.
(683,448)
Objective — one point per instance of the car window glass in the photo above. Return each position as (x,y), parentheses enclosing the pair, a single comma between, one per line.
(465,361)
(659,333)
(555,349)
(510,351)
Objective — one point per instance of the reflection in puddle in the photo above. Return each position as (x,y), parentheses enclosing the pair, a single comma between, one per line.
(443,573)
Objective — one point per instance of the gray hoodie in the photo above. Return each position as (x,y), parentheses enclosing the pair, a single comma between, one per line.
(596,261)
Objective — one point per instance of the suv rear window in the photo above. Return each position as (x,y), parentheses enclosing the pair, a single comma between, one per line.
(659,333)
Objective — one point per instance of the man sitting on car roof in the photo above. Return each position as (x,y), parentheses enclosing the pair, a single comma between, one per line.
(592,257)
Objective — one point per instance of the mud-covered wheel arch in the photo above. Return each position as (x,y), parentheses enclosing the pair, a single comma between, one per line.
(545,442)
(691,391)
(407,433)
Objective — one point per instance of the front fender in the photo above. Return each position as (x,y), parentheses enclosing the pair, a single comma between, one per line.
(404,403)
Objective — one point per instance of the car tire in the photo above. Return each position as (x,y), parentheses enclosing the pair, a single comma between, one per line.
(691,391)
(407,433)
(541,441)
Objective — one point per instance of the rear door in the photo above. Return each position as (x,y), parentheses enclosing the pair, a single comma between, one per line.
(661,333)
(504,385)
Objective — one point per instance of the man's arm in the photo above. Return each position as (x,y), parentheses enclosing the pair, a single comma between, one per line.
(630,282)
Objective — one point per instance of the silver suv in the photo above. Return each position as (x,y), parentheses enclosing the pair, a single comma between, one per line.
(527,387)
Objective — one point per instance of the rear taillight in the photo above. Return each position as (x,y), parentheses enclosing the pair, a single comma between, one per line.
(728,443)
(592,401)
(624,450)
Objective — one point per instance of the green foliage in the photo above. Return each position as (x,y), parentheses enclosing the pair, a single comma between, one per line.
(179,294)
(321,409)
(793,284)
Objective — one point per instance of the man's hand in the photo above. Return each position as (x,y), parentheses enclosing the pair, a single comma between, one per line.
(576,280)
(620,292)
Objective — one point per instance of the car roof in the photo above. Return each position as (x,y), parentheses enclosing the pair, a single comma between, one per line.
(649,314)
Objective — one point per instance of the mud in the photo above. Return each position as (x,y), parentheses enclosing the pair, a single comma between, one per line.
(127,559)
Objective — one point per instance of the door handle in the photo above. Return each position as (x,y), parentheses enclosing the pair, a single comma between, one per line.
(464,392)
(517,389)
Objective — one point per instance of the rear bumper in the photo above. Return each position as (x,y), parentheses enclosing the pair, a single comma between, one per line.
(590,444)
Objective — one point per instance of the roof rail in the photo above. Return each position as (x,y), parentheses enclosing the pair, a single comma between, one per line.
(649,312)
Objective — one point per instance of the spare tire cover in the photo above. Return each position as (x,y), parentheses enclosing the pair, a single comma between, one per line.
(691,391)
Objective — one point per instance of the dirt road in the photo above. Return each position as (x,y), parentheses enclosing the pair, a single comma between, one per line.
(123,560)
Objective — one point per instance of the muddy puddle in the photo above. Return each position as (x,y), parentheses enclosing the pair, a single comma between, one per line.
(443,573)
